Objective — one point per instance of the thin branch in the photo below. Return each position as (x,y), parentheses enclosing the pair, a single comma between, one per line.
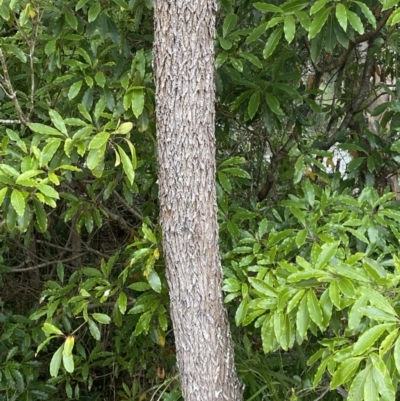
(128,207)
(10,90)
(46,264)
(9,121)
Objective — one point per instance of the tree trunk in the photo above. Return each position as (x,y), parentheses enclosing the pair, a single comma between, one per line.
(184,75)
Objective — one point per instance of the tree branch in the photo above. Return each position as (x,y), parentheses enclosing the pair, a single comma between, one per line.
(10,93)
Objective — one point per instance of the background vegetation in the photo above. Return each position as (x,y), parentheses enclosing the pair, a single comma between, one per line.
(308,115)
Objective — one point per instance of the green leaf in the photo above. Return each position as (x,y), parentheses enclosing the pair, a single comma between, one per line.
(94,330)
(370,389)
(51,329)
(314,308)
(316,49)
(263,287)
(48,151)
(256,33)
(94,11)
(382,378)
(328,251)
(48,191)
(396,354)
(124,128)
(224,181)
(345,372)
(237,64)
(100,78)
(99,140)
(122,302)
(74,89)
(44,129)
(273,103)
(127,165)
(68,362)
(102,318)
(154,281)
(80,4)
(317,6)
(270,8)
(368,338)
(58,122)
(252,58)
(368,13)
(3,193)
(356,391)
(71,19)
(137,102)
(355,21)
(341,15)
(254,104)
(69,345)
(303,318)
(230,22)
(272,42)
(18,202)
(237,172)
(50,47)
(55,362)
(378,300)
(389,4)
(241,312)
(304,19)
(4,12)
(318,22)
(289,27)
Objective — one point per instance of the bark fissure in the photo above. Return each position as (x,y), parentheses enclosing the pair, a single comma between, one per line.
(184,75)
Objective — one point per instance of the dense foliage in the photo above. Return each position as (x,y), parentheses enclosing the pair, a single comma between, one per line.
(308,115)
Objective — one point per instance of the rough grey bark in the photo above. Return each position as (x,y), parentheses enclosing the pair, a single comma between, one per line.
(184,75)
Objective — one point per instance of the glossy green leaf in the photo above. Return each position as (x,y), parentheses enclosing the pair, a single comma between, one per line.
(356,391)
(254,104)
(122,302)
(368,339)
(18,202)
(289,28)
(74,89)
(318,22)
(355,21)
(51,329)
(272,42)
(314,308)
(126,164)
(273,103)
(137,102)
(55,362)
(99,140)
(229,23)
(101,318)
(48,151)
(154,281)
(94,11)
(345,371)
(256,33)
(267,7)
(69,345)
(94,330)
(341,15)
(68,362)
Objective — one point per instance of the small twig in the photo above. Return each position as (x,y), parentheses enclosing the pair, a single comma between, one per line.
(9,121)
(128,207)
(10,93)
(19,270)
(323,394)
